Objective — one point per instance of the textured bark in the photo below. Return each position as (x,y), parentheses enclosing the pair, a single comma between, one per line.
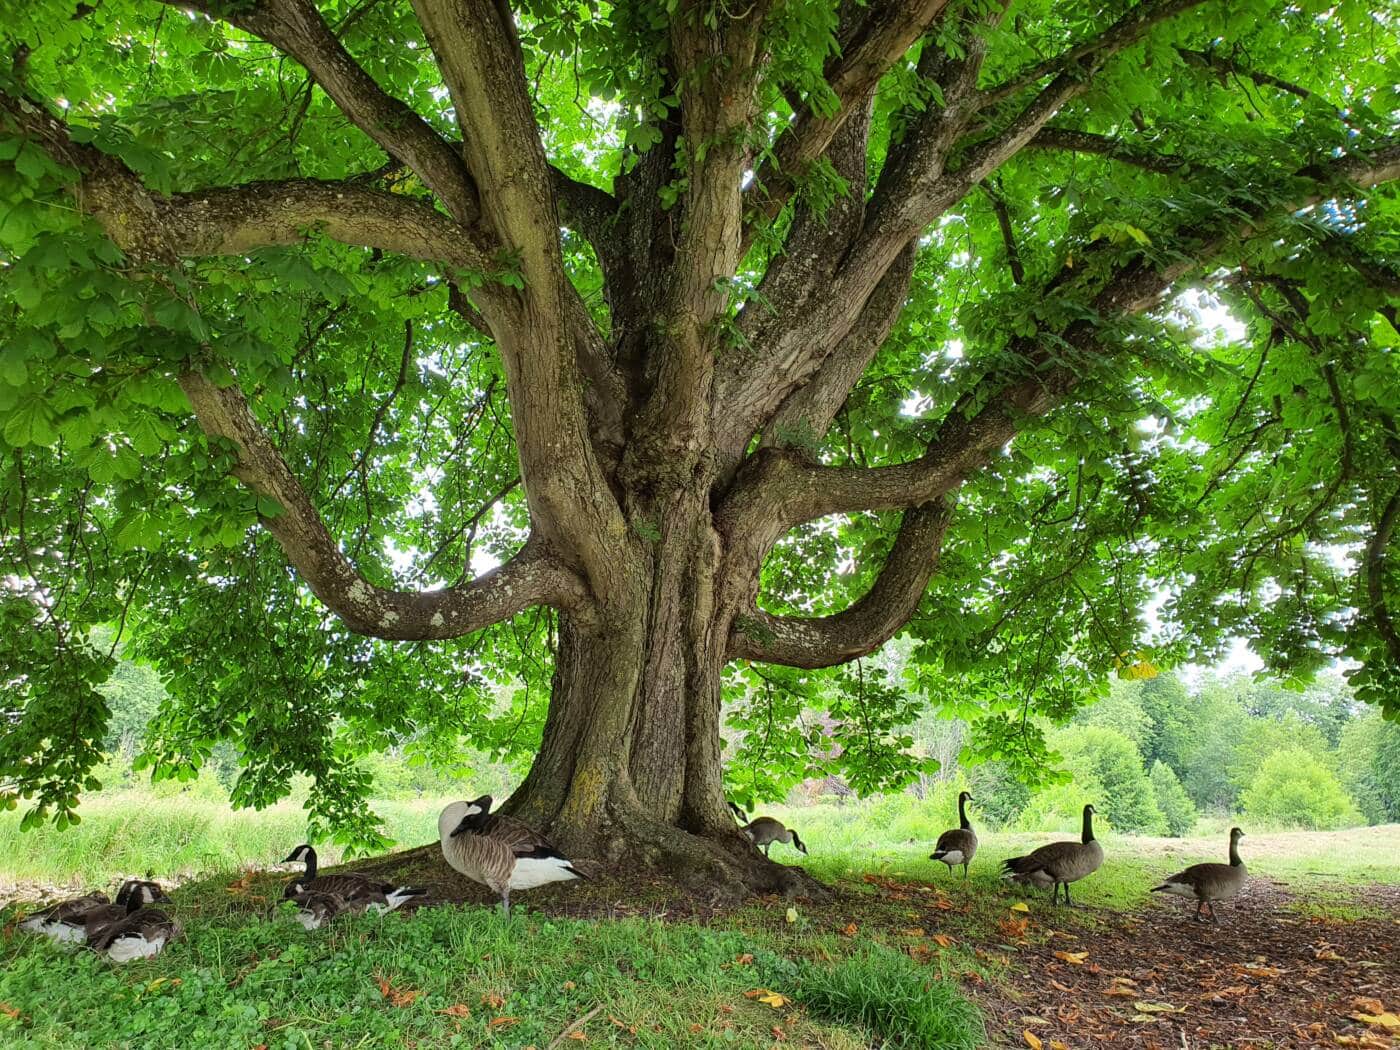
(659,462)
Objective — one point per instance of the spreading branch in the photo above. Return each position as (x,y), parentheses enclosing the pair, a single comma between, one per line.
(866,624)
(530,578)
(1106,146)
(297,29)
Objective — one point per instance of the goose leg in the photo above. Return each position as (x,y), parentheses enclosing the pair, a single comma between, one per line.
(1068,903)
(1199,906)
(505,901)
(964,869)
(1213,917)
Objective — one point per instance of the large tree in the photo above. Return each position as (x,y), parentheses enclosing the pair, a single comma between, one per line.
(720,335)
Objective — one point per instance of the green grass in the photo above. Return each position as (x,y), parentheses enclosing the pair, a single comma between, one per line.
(237,979)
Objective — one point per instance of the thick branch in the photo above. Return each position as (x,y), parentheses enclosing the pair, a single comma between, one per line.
(873,46)
(234,220)
(1375,577)
(530,578)
(869,622)
(297,29)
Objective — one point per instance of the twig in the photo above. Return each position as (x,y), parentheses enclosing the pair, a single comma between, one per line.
(558,1039)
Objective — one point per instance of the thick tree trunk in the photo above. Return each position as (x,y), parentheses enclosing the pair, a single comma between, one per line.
(629,774)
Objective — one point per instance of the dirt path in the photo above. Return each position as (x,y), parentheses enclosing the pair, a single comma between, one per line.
(1267,976)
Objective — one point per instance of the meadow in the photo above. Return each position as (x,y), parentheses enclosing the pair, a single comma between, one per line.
(905,955)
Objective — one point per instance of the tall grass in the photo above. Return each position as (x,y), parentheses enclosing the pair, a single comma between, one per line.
(134,833)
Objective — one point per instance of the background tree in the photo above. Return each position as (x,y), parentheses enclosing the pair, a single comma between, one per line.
(634,344)
(1294,789)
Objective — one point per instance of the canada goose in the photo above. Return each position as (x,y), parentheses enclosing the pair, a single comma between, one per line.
(1059,863)
(71,921)
(133,895)
(511,856)
(1208,883)
(958,845)
(349,886)
(315,908)
(66,920)
(764,831)
(141,935)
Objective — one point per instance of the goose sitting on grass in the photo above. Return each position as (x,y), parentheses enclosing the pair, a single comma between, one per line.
(499,852)
(349,886)
(1207,883)
(142,934)
(1059,863)
(72,921)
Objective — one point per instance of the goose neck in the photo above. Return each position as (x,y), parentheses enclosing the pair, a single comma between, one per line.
(1235,861)
(962,813)
(1088,835)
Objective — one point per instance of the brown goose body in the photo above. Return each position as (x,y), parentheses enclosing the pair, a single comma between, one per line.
(132,897)
(315,908)
(348,886)
(1208,883)
(764,831)
(957,845)
(511,856)
(66,920)
(1058,864)
(140,935)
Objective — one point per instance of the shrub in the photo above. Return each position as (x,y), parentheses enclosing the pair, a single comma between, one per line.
(1177,808)
(1293,789)
(881,990)
(1116,764)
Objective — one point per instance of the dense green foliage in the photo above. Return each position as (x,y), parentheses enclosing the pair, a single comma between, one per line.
(1178,811)
(1293,787)
(1231,474)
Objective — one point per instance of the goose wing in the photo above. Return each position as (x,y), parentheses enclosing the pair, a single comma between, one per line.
(958,840)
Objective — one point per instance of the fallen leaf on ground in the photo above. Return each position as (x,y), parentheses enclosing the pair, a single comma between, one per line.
(1060,987)
(240,885)
(913,931)
(1390,1022)
(745,959)
(1032,1040)
(1013,929)
(577,1036)
(457,1010)
(1367,1005)
(492,1000)
(791,915)
(1158,1008)
(1055,1044)
(396,996)
(850,929)
(1021,906)
(9,1011)
(763,995)
(943,940)
(1073,958)
(502,1022)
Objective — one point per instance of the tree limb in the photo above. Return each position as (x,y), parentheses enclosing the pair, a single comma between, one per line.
(234,220)
(1103,145)
(1375,577)
(297,29)
(867,623)
(868,51)
(530,578)
(1121,34)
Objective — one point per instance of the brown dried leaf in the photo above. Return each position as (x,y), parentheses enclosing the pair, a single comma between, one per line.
(745,959)
(502,1022)
(1387,1021)
(457,1010)
(493,1000)
(1073,958)
(850,929)
(577,1036)
(1367,1005)
(9,1011)
(942,940)
(1032,1040)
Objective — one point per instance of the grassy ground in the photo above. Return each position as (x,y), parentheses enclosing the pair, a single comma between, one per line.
(893,958)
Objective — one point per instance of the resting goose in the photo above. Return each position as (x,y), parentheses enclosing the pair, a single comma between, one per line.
(315,908)
(349,886)
(67,920)
(958,845)
(1059,863)
(764,831)
(134,895)
(499,852)
(144,932)
(1208,883)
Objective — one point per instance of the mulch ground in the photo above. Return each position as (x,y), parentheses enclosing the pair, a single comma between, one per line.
(1267,976)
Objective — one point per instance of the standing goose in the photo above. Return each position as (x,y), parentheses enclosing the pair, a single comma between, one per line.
(349,886)
(765,831)
(1059,863)
(510,856)
(958,845)
(1208,883)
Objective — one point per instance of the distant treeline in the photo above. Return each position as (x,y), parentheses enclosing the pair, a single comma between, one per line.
(1155,754)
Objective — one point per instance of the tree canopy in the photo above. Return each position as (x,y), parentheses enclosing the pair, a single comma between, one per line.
(392,370)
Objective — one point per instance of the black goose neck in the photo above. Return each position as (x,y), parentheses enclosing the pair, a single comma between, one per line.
(1088,835)
(310,864)
(962,813)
